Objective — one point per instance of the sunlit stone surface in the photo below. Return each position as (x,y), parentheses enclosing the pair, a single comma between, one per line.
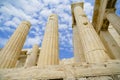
(49,49)
(10,53)
(96,49)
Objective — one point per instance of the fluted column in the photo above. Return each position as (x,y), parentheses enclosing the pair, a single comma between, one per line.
(78,50)
(92,45)
(27,58)
(49,50)
(114,20)
(10,53)
(32,58)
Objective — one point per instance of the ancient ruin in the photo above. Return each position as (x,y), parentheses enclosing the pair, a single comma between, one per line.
(96,48)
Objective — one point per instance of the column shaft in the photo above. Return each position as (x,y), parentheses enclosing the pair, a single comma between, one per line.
(27,58)
(114,20)
(10,53)
(78,50)
(32,58)
(110,44)
(49,50)
(92,45)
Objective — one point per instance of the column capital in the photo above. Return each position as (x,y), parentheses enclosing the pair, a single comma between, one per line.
(35,45)
(27,23)
(53,17)
(111,10)
(73,5)
(72,10)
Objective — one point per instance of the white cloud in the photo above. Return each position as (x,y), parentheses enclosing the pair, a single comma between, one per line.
(88,8)
(63,26)
(16,20)
(51,1)
(12,11)
(10,23)
(37,12)
(45,12)
(31,41)
(6,29)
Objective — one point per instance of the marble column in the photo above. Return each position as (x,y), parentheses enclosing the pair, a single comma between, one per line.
(49,51)
(78,50)
(93,48)
(32,58)
(114,20)
(29,52)
(10,53)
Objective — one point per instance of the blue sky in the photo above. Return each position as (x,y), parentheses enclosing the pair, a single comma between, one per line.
(12,12)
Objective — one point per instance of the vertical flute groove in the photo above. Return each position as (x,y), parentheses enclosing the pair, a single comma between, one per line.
(49,51)
(12,49)
(92,46)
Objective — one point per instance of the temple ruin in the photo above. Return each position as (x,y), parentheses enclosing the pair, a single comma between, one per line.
(96,48)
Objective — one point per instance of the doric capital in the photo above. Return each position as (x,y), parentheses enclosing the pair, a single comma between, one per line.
(107,11)
(26,22)
(112,10)
(72,10)
(53,17)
